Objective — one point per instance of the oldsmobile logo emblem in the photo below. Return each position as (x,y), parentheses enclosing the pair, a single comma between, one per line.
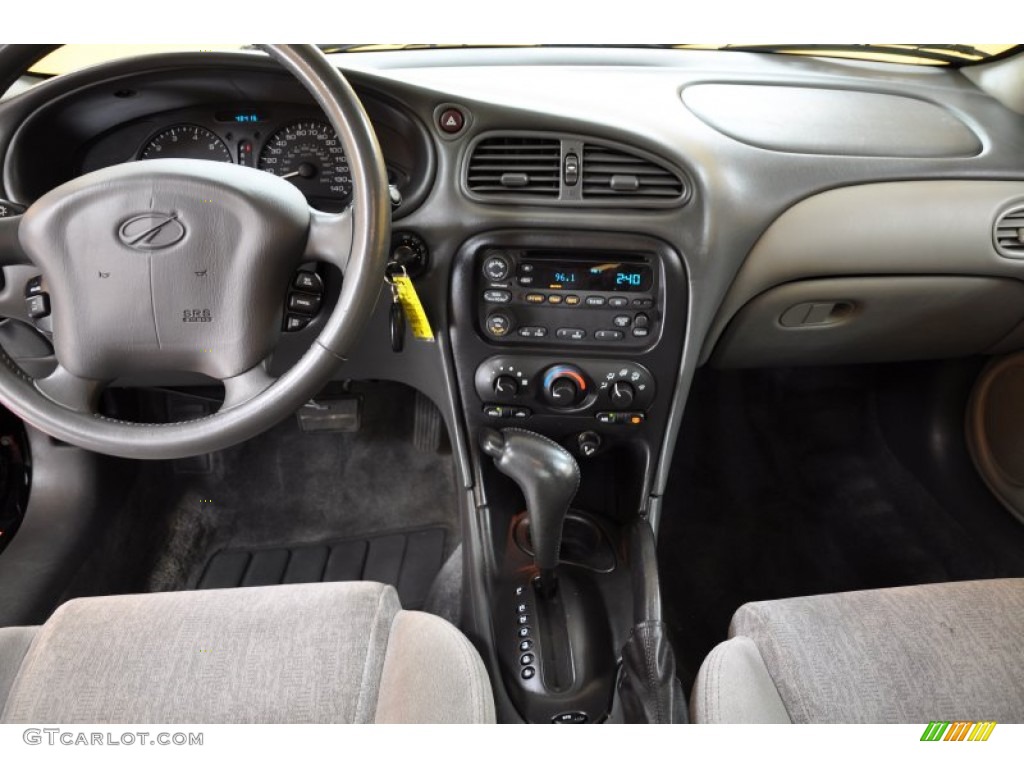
(151,231)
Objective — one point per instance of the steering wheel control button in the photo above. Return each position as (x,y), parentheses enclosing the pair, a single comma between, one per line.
(618,302)
(525,645)
(34,287)
(571,718)
(523,632)
(496,269)
(451,120)
(304,303)
(609,335)
(526,659)
(595,301)
(294,323)
(523,619)
(497,296)
(571,334)
(310,282)
(528,673)
(38,306)
(498,325)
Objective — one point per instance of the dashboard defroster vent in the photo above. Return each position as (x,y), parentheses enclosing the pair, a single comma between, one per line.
(613,173)
(1008,233)
(516,165)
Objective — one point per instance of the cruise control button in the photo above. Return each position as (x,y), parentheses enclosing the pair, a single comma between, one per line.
(38,306)
(595,301)
(618,301)
(295,322)
(622,321)
(497,297)
(572,334)
(304,303)
(535,298)
(608,335)
(308,281)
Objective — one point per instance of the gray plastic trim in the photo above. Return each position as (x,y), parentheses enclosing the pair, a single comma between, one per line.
(896,228)
(871,319)
(994,424)
(831,121)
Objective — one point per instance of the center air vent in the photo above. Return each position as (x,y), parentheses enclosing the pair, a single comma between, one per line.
(516,165)
(612,173)
(1008,233)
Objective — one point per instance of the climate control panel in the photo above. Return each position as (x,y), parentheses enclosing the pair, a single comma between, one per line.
(608,391)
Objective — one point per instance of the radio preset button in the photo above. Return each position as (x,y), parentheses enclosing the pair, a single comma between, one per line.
(572,334)
(608,335)
(497,297)
(533,332)
(643,303)
(595,301)
(496,268)
(572,300)
(618,301)
(555,298)
(535,298)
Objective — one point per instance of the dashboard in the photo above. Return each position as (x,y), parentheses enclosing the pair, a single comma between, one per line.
(587,227)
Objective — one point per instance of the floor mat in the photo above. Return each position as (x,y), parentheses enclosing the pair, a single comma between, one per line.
(285,490)
(408,561)
(783,484)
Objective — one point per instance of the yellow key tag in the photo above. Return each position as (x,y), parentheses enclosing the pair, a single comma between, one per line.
(413,308)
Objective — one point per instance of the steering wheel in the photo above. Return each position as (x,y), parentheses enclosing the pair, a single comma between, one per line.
(179,265)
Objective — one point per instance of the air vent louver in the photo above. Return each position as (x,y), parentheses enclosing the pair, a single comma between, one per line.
(516,165)
(1008,233)
(611,173)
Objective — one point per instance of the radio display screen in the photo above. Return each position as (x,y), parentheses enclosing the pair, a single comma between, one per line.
(559,275)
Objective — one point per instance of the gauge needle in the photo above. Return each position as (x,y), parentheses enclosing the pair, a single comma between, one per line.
(292,175)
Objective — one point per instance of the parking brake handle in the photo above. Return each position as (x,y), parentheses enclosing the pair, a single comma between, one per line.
(549,477)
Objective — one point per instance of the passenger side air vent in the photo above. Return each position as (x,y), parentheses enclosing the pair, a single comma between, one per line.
(1008,233)
(614,174)
(524,166)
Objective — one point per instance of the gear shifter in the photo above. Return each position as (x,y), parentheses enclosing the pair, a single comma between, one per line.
(549,477)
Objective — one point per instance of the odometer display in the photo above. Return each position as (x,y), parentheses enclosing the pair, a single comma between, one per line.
(308,154)
(186,141)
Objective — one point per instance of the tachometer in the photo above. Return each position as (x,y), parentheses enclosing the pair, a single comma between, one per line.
(186,141)
(309,155)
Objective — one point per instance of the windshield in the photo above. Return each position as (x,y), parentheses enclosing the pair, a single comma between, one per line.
(72,57)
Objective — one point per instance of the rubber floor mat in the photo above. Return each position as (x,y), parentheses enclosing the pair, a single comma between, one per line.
(409,561)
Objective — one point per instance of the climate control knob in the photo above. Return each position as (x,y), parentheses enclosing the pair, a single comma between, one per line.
(564,386)
(506,386)
(622,394)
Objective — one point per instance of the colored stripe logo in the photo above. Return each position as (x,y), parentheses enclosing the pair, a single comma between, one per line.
(959,731)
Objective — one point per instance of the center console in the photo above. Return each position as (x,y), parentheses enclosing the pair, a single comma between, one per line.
(567,347)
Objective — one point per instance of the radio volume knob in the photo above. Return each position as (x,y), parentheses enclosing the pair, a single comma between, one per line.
(496,268)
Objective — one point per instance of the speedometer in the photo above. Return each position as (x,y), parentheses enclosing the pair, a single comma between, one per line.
(186,141)
(309,155)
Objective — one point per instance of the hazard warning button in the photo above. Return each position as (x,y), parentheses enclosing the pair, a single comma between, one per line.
(451,120)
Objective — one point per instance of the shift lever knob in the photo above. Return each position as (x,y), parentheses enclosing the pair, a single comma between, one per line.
(548,476)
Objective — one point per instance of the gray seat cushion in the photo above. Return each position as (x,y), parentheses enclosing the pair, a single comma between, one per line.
(305,653)
(907,655)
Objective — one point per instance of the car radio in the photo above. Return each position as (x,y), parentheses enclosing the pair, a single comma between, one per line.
(559,297)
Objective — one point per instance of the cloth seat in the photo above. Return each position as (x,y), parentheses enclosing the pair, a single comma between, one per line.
(304,653)
(906,655)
